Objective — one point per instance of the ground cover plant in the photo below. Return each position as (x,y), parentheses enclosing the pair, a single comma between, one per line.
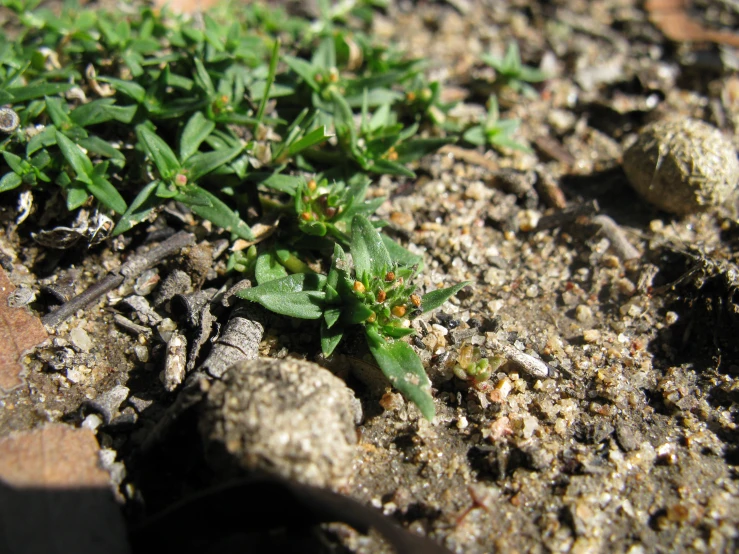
(126,115)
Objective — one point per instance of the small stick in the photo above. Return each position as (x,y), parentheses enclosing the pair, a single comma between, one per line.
(620,244)
(131,269)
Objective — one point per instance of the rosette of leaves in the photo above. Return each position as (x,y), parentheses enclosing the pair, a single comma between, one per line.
(375,290)
(511,72)
(328,209)
(495,131)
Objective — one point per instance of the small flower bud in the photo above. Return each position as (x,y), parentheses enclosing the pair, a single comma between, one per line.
(398,311)
(371,318)
(416,300)
(381,295)
(312,185)
(359,286)
(390,277)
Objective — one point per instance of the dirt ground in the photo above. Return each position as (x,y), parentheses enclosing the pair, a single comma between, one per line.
(630,445)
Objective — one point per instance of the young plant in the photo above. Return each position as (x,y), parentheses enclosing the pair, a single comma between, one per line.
(512,73)
(495,131)
(472,367)
(375,290)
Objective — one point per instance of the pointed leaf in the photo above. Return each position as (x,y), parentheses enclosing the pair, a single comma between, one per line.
(215,211)
(268,268)
(368,250)
(203,163)
(104,191)
(303,305)
(195,132)
(76,158)
(403,368)
(292,283)
(436,298)
(330,338)
(159,151)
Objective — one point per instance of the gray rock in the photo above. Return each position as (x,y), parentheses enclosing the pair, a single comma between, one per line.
(108,403)
(289,417)
(682,165)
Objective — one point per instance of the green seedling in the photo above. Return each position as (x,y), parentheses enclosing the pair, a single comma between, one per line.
(495,131)
(471,366)
(374,290)
(512,73)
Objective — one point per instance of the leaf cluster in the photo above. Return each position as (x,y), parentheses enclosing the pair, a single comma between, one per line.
(495,131)
(511,72)
(372,288)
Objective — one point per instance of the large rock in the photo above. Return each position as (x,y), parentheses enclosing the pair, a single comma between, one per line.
(289,417)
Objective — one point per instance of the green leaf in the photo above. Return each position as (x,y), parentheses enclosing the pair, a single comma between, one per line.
(98,146)
(403,368)
(76,158)
(331,315)
(195,132)
(415,149)
(215,211)
(316,136)
(303,305)
(100,111)
(368,250)
(330,338)
(400,255)
(56,108)
(76,196)
(104,191)
(282,183)
(387,167)
(139,209)
(23,94)
(436,298)
(203,163)
(355,311)
(304,70)
(475,135)
(129,88)
(203,78)
(159,151)
(268,268)
(270,79)
(297,282)
(10,181)
(16,163)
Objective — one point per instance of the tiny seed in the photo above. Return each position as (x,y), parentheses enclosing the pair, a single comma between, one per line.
(381,296)
(416,300)
(389,276)
(359,286)
(398,311)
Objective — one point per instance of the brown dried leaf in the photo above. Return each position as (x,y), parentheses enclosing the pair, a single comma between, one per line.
(671,17)
(55,456)
(54,497)
(19,331)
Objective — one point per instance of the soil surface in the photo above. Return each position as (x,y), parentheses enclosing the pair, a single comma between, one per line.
(630,444)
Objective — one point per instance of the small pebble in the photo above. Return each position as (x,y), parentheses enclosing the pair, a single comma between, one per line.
(80,339)
(682,165)
(591,335)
